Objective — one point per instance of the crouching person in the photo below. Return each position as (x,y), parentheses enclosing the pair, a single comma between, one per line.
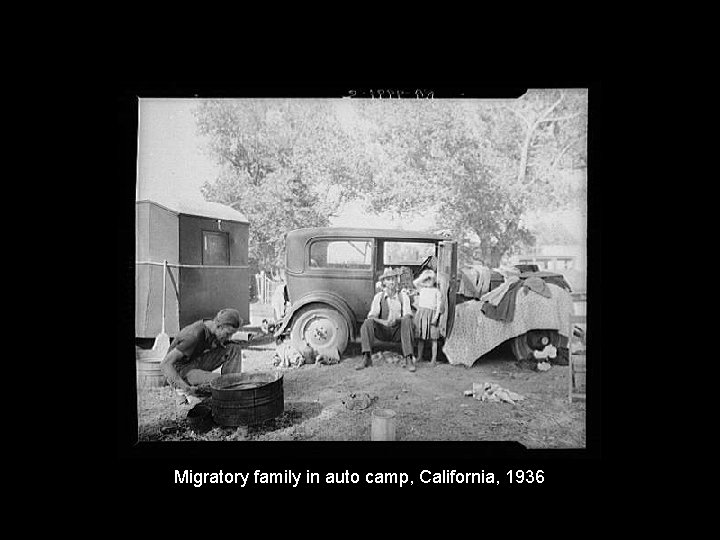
(199,349)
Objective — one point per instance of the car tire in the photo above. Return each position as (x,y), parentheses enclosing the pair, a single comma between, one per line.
(319,327)
(524,344)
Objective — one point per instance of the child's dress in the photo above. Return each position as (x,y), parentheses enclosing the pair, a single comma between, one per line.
(428,300)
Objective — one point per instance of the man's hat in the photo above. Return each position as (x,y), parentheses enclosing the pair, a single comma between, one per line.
(230,317)
(388,273)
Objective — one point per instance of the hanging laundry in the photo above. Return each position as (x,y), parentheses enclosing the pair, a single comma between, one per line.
(468,282)
(537,285)
(548,277)
(505,308)
(475,334)
(483,284)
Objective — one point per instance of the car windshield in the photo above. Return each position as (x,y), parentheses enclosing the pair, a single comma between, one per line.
(407,253)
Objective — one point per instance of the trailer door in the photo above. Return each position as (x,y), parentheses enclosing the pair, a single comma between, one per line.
(448,283)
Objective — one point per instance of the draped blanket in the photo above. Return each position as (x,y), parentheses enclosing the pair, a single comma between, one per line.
(474,334)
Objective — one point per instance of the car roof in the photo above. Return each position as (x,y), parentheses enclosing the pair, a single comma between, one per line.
(353,232)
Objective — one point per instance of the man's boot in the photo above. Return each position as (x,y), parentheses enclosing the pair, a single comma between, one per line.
(411,362)
(367,361)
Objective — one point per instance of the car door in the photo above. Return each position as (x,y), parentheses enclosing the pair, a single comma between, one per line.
(448,283)
(343,266)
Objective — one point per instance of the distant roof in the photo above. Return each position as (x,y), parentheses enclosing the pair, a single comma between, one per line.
(200,208)
(364,233)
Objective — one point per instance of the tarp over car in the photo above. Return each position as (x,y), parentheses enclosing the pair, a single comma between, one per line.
(475,334)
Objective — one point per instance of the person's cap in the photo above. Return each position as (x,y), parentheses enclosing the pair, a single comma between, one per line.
(230,317)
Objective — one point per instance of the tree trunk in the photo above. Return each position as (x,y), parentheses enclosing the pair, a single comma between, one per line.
(492,256)
(495,257)
(524,155)
(531,126)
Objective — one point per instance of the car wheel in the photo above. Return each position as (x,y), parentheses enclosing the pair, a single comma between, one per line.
(524,344)
(319,328)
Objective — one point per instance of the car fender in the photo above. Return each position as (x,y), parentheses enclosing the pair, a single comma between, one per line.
(331,299)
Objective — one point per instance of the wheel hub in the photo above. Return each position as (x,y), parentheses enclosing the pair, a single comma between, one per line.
(319,332)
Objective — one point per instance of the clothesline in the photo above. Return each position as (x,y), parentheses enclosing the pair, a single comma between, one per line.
(174,265)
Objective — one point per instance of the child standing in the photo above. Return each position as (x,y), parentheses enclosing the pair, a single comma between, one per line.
(429,307)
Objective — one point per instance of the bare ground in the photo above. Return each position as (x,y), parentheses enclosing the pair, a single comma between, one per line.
(429,403)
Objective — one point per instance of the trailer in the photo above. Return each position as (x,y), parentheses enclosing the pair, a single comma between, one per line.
(203,247)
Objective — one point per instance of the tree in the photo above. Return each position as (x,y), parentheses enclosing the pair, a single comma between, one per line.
(405,142)
(451,155)
(480,210)
(481,165)
(281,203)
(552,125)
(280,160)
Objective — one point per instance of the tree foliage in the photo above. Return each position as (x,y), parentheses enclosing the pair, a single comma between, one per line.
(279,162)
(480,165)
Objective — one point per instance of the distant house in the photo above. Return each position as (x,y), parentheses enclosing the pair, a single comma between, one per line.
(568,260)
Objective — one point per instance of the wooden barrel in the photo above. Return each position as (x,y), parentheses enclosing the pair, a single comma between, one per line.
(247,398)
(149,374)
(383,425)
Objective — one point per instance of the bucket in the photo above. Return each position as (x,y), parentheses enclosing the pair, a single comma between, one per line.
(149,374)
(383,425)
(247,398)
(579,368)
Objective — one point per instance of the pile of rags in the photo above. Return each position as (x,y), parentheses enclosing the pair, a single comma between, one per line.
(287,357)
(359,401)
(494,392)
(388,356)
(327,356)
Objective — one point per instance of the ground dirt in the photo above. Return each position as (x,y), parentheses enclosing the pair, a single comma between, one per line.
(430,403)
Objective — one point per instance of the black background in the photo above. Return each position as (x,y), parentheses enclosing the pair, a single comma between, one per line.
(140,466)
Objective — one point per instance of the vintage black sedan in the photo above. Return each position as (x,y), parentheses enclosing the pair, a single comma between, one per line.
(331,276)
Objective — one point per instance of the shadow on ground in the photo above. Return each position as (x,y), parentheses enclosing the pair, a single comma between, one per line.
(295,414)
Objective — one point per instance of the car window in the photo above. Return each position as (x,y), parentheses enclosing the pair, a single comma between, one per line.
(354,254)
(407,253)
